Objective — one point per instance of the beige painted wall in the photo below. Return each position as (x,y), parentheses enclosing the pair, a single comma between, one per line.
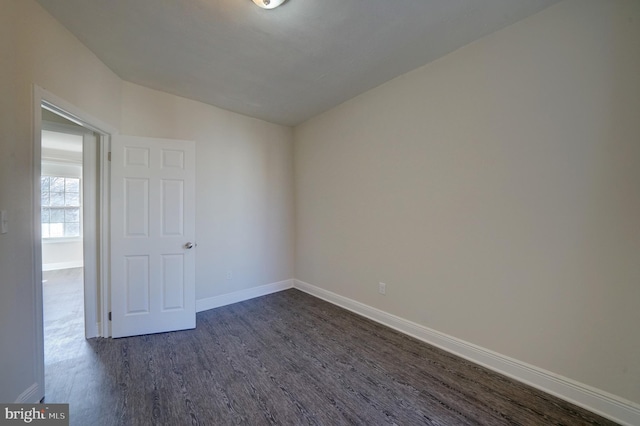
(34,48)
(244,208)
(496,192)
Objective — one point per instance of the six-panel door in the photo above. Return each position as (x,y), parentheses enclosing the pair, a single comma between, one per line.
(152,235)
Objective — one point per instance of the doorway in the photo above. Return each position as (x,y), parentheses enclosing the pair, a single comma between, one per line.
(82,226)
(62,214)
(66,184)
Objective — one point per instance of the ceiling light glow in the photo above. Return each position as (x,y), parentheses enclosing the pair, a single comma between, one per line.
(268,4)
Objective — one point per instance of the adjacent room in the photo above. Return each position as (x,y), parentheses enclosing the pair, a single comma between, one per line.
(337,212)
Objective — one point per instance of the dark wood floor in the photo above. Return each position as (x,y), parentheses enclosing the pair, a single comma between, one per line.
(287,358)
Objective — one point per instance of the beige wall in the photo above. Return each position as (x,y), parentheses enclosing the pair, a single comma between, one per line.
(496,192)
(34,48)
(244,208)
(245,196)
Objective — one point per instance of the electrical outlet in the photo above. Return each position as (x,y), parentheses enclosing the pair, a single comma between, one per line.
(382,288)
(229,274)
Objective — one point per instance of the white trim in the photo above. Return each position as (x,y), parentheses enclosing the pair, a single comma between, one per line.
(61,240)
(62,265)
(36,238)
(242,295)
(89,227)
(30,395)
(600,402)
(69,111)
(104,219)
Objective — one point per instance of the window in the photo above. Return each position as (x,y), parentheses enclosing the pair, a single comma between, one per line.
(60,207)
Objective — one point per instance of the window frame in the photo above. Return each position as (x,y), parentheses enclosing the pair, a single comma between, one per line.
(63,238)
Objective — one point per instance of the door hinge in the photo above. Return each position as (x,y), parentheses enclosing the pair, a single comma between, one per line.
(109,156)
(109,316)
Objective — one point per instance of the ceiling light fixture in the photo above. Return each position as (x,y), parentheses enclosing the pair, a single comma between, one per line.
(268,4)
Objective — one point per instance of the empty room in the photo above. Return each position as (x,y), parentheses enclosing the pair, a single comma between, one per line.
(338,212)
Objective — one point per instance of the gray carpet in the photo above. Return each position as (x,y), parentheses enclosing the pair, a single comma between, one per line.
(291,359)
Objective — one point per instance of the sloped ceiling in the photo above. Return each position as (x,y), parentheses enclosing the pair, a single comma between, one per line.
(284,65)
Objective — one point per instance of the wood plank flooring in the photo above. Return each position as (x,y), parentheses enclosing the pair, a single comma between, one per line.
(290,359)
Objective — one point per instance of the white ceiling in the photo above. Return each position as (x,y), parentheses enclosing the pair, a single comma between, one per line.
(284,65)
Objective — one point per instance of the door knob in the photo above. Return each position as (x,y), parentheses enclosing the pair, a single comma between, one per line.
(189,246)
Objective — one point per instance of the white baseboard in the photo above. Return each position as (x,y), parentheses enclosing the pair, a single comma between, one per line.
(600,402)
(61,265)
(241,295)
(31,395)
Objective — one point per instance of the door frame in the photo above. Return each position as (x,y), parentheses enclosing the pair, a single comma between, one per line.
(43,98)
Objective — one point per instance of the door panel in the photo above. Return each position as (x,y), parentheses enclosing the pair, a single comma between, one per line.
(152,220)
(172,200)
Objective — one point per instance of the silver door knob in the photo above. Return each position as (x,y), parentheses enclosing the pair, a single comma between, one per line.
(189,246)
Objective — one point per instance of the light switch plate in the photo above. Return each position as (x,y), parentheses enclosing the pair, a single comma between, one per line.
(4,222)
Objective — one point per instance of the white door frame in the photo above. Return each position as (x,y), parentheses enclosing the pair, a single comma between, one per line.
(43,97)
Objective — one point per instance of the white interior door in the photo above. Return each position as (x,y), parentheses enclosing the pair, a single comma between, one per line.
(152,235)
